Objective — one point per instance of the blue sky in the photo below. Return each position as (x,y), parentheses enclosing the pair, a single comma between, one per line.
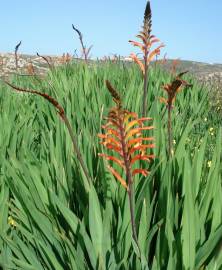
(190,29)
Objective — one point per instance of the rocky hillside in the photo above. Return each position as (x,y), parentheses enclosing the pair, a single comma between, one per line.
(208,73)
(27,64)
(30,64)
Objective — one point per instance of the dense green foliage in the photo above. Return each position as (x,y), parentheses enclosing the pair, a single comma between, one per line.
(51,218)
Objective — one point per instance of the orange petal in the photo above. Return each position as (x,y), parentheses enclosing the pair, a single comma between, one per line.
(109,139)
(151,42)
(129,115)
(154,53)
(137,44)
(154,39)
(144,119)
(141,148)
(141,157)
(140,139)
(102,136)
(142,171)
(136,121)
(134,131)
(131,124)
(112,147)
(136,60)
(163,100)
(112,131)
(118,177)
(114,159)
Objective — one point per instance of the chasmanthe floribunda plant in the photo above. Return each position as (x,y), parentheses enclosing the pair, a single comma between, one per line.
(145,46)
(172,90)
(127,147)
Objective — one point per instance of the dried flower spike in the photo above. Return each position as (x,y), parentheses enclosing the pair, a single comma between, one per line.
(16,54)
(85,51)
(173,88)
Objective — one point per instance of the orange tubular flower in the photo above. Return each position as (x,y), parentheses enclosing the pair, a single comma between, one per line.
(123,137)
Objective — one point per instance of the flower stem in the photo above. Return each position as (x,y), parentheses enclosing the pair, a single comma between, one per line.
(76,149)
(145,86)
(129,179)
(169,128)
(131,194)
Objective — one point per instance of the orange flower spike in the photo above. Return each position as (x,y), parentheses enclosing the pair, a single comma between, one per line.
(147,41)
(125,125)
(172,89)
(123,136)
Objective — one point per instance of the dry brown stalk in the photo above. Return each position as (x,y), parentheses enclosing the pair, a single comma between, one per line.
(85,50)
(16,54)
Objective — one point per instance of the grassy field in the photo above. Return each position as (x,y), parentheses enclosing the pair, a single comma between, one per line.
(52,217)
